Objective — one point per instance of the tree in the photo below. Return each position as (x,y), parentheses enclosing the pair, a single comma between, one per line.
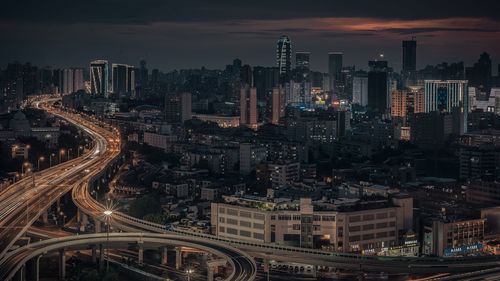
(145,205)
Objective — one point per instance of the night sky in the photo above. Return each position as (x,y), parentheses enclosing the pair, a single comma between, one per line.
(195,33)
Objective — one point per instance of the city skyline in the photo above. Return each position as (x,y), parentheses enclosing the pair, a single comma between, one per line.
(211,35)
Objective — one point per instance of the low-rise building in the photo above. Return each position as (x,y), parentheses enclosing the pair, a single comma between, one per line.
(340,226)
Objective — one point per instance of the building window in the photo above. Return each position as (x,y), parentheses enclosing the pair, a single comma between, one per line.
(222,220)
(245,224)
(354,228)
(381,225)
(245,214)
(258,216)
(259,236)
(245,233)
(232,221)
(368,226)
(381,216)
(221,229)
(296,227)
(258,225)
(232,212)
(232,231)
(354,218)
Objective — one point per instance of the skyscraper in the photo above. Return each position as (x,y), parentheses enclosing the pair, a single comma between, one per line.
(447,96)
(248,106)
(335,64)
(302,60)
(246,75)
(479,75)
(119,78)
(284,57)
(360,89)
(99,77)
(178,107)
(409,56)
(378,87)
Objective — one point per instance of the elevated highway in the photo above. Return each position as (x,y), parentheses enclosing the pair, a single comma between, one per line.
(243,266)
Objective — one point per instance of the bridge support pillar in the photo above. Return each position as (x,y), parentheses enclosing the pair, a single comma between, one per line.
(82,220)
(94,254)
(62,264)
(213,267)
(178,258)
(45,217)
(20,274)
(141,254)
(34,268)
(101,257)
(97,226)
(164,255)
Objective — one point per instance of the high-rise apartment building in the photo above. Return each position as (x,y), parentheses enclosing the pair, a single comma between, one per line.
(70,80)
(407,101)
(99,77)
(178,107)
(284,57)
(360,89)
(277,105)
(248,106)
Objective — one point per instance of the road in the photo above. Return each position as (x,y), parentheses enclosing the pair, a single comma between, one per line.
(23,202)
(243,266)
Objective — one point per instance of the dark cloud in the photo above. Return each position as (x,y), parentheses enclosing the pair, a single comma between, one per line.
(147,11)
(406,31)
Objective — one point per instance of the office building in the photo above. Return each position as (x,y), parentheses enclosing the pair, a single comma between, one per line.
(447,95)
(453,237)
(409,56)
(360,89)
(335,65)
(341,226)
(284,57)
(248,106)
(123,80)
(99,77)
(277,105)
(178,107)
(378,88)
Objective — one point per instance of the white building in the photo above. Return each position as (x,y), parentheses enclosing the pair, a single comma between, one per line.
(348,226)
(360,90)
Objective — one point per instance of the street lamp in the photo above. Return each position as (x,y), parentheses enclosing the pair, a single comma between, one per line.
(50,160)
(25,164)
(40,159)
(107,215)
(69,153)
(61,153)
(79,148)
(189,271)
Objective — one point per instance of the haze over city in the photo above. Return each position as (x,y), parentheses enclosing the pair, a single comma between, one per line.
(240,141)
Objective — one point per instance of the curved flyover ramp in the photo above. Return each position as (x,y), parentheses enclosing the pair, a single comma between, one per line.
(244,267)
